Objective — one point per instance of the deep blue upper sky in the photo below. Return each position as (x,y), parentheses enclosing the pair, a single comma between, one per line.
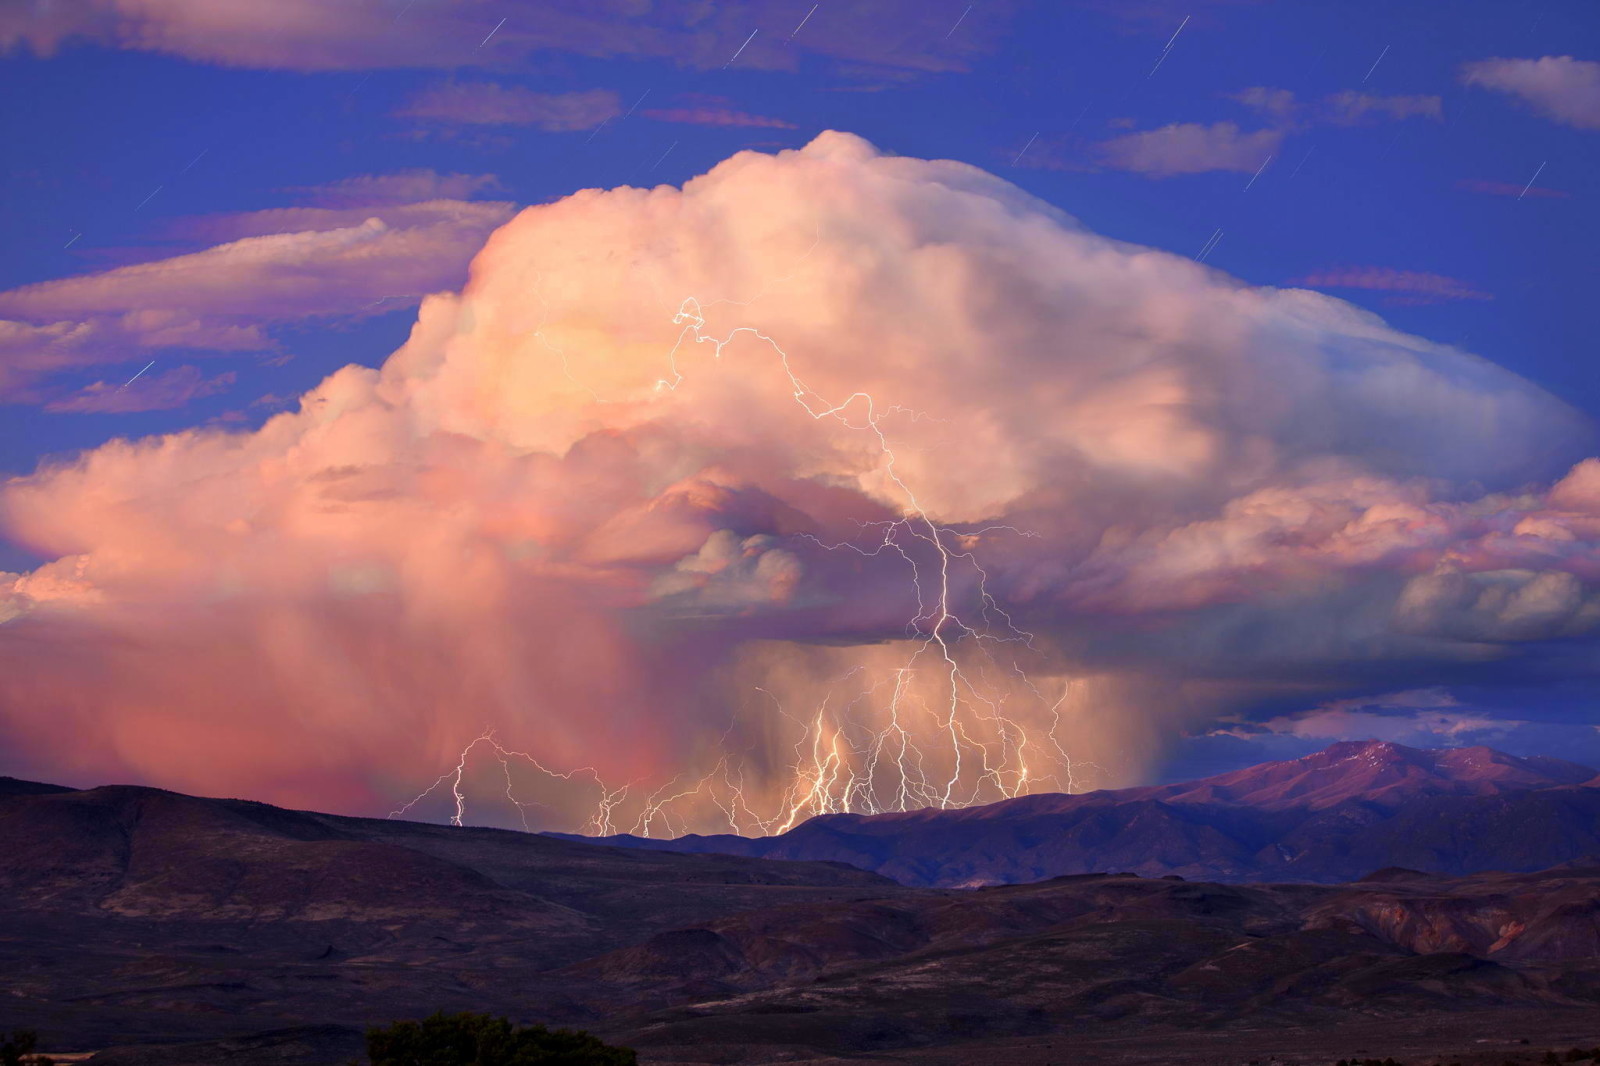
(91,131)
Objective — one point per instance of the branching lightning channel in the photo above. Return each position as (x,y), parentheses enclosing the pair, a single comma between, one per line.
(943,734)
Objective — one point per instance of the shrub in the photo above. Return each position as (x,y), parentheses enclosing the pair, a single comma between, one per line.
(17,1049)
(468,1039)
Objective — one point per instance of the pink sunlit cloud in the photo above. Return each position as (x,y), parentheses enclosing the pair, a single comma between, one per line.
(279,265)
(586,499)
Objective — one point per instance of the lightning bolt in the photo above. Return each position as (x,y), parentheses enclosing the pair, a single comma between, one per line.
(838,763)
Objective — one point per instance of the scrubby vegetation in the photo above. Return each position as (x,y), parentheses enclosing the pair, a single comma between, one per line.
(17,1049)
(1551,1058)
(482,1040)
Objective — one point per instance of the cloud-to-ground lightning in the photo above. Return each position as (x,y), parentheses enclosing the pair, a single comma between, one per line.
(803,21)
(1531,180)
(1170,42)
(742,47)
(135,377)
(943,736)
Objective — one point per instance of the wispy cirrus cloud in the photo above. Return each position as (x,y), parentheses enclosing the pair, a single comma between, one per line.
(478,216)
(701,110)
(1347,108)
(1191,148)
(487,103)
(1511,189)
(1198,148)
(1408,286)
(1351,108)
(271,267)
(1276,103)
(312,35)
(163,391)
(1561,88)
(398,187)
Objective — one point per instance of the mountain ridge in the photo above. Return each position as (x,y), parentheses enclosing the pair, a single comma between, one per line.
(1327,817)
(234,931)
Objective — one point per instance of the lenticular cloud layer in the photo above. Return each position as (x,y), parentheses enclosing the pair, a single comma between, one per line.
(832,480)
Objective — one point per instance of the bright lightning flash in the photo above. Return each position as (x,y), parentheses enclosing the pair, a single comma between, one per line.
(936,730)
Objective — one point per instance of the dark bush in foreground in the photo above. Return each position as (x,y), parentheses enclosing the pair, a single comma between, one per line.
(480,1040)
(16,1049)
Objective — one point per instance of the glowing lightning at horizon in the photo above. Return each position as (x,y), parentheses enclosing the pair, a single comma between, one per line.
(837,760)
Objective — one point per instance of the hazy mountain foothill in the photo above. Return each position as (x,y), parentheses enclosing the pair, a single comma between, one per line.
(1369,900)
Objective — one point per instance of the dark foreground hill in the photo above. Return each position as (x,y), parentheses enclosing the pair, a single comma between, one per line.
(238,934)
(1326,818)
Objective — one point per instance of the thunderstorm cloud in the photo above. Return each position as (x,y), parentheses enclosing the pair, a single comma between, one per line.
(832,477)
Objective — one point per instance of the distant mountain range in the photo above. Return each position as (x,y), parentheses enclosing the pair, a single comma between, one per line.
(237,933)
(1326,818)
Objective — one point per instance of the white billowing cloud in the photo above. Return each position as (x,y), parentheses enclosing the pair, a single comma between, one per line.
(1561,88)
(709,469)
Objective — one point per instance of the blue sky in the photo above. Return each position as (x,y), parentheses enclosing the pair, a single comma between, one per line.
(1412,158)
(93,131)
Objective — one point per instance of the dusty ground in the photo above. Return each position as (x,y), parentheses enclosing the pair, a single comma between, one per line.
(1479,1039)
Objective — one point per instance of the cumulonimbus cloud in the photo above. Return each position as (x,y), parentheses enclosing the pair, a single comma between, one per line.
(832,479)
